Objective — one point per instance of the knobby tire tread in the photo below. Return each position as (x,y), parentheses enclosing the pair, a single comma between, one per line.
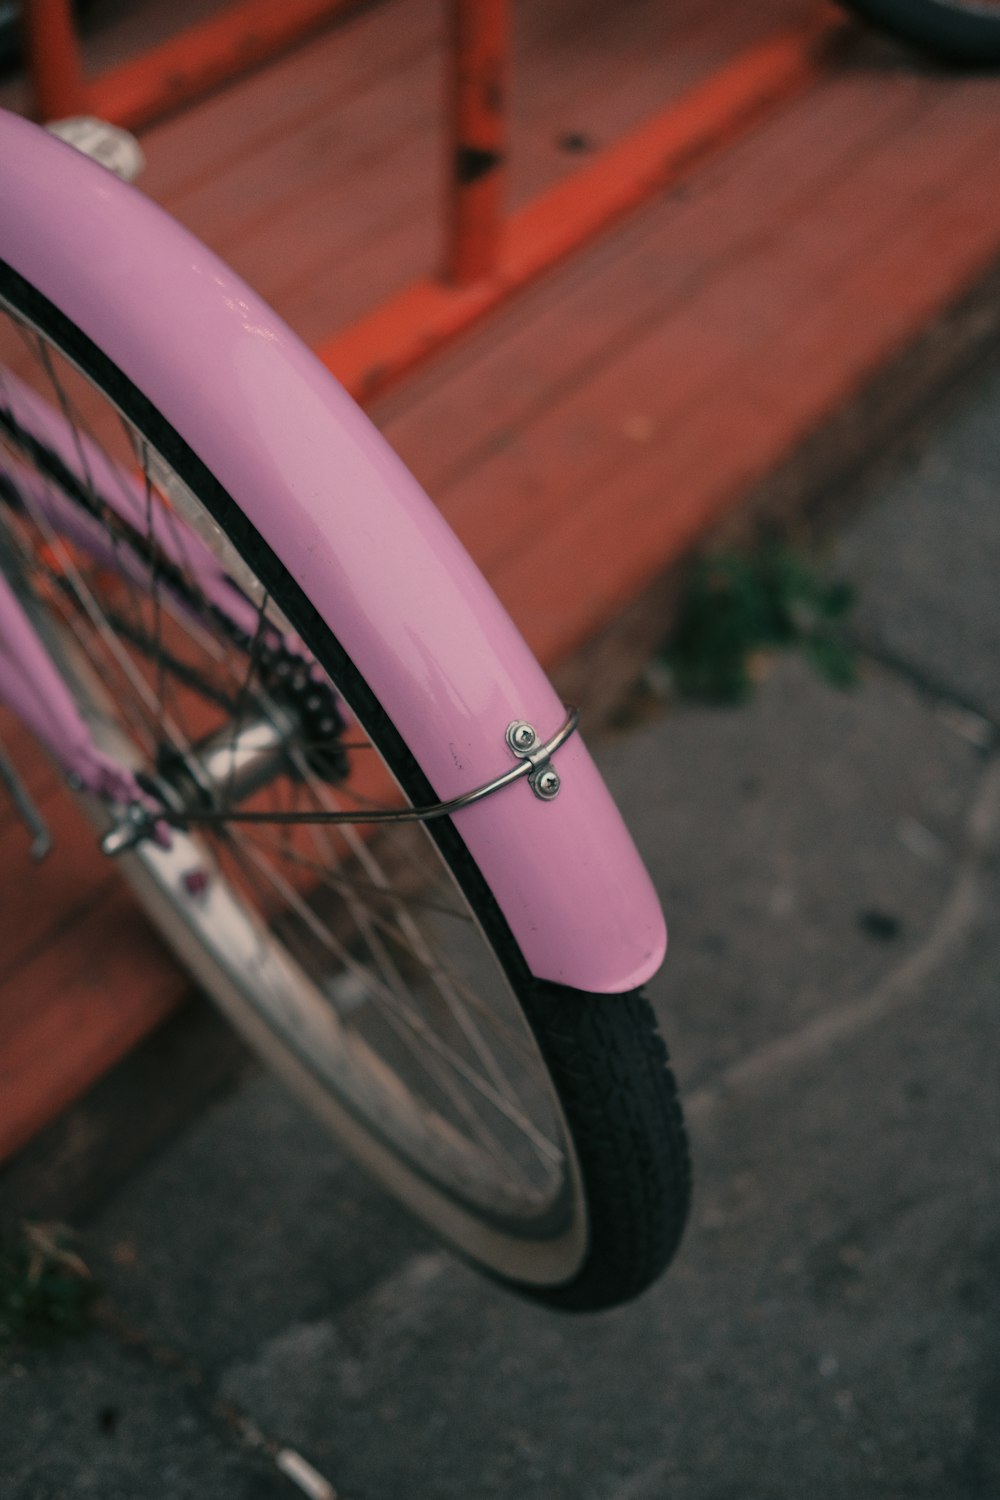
(611,1070)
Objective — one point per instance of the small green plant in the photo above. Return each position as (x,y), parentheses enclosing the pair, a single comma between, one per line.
(735,607)
(46,1291)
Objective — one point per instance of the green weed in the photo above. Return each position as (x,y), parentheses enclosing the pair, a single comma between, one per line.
(46,1291)
(735,607)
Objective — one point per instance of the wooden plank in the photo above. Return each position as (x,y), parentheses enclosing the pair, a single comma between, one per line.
(818,362)
(204,146)
(202,57)
(41,900)
(624,65)
(667,379)
(383,346)
(75,1009)
(447,420)
(368,221)
(279,208)
(80,1158)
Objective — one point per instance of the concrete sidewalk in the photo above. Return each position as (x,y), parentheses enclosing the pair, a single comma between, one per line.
(829,865)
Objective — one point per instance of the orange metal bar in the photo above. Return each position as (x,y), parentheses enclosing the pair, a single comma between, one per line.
(477,137)
(201,58)
(163,79)
(376,351)
(198,60)
(53,55)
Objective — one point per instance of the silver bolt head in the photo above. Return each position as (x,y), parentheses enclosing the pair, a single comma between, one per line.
(521,736)
(547,784)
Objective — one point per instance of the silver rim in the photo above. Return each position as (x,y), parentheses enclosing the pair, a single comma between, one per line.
(355,962)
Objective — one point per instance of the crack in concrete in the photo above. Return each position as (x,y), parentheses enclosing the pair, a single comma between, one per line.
(899,987)
(924,683)
(229,1420)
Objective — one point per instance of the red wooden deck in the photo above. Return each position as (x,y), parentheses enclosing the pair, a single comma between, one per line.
(588,433)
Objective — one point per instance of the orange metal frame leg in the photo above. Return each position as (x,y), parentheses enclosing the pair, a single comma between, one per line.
(485,258)
(484,266)
(54,59)
(478,138)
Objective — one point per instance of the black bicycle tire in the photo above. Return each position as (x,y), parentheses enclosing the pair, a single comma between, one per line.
(965,34)
(607,1062)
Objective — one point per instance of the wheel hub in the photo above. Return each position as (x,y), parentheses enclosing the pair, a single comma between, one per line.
(223,770)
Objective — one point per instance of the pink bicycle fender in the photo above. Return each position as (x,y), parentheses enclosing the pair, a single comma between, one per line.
(359,536)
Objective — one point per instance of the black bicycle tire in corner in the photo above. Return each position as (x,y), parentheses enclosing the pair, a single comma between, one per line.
(604,1056)
(964,32)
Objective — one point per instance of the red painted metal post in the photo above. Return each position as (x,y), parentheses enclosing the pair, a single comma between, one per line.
(480,63)
(203,57)
(381,347)
(54,59)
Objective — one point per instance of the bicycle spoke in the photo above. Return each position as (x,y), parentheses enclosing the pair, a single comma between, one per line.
(419,947)
(405,1012)
(341,886)
(386,970)
(86,474)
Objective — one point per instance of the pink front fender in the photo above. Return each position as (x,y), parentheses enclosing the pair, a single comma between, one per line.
(357,533)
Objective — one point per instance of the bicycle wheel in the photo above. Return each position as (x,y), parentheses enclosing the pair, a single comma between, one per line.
(966,32)
(533,1128)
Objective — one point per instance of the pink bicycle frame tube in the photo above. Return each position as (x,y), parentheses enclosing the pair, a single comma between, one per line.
(357,534)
